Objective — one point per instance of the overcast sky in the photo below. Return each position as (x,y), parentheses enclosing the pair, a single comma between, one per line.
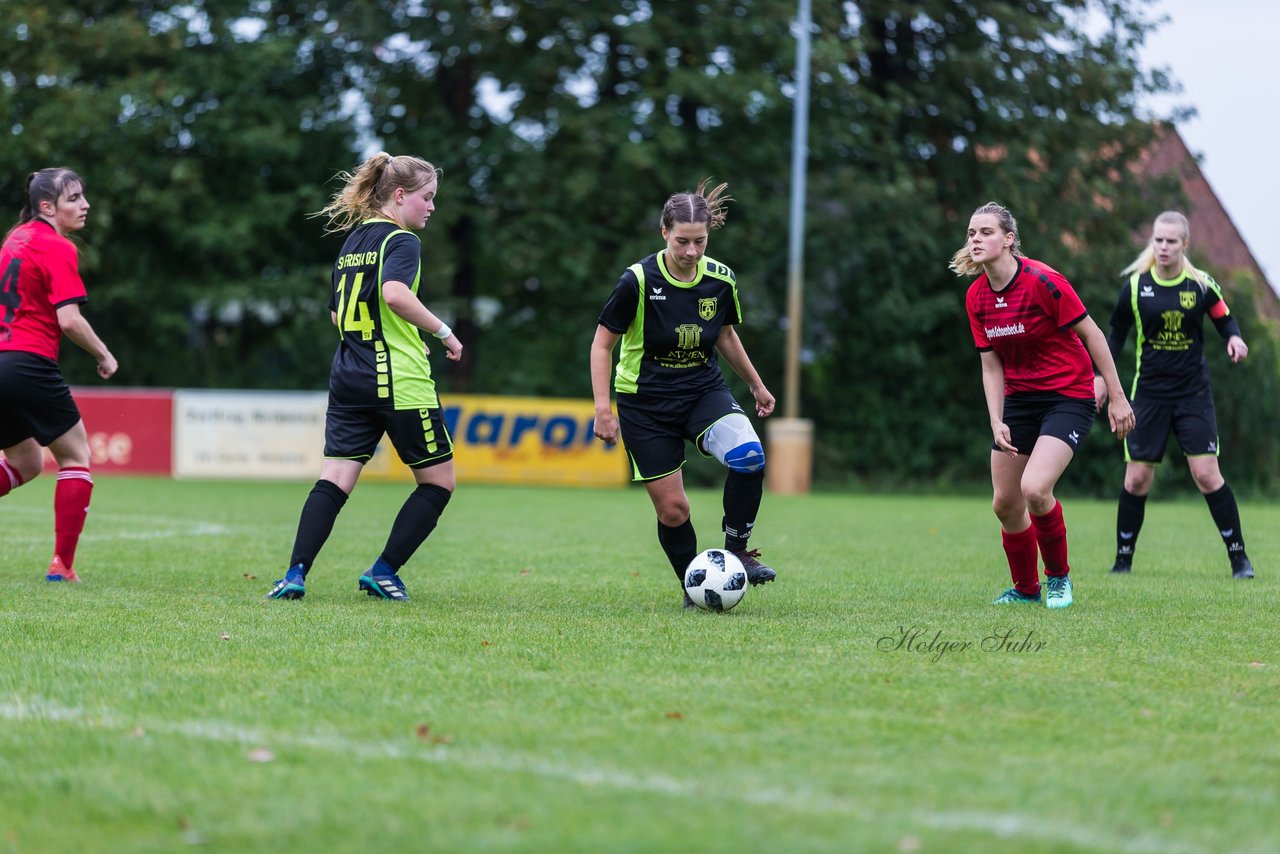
(1225,56)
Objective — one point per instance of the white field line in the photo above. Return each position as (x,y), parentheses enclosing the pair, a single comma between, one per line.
(199,529)
(804,801)
(113,527)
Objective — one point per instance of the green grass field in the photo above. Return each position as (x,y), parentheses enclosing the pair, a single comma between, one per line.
(544,690)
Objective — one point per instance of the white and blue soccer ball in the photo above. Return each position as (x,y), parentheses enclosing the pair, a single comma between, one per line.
(715,580)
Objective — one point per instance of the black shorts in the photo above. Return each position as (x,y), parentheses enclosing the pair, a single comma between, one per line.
(420,436)
(1031,415)
(654,429)
(35,402)
(1193,420)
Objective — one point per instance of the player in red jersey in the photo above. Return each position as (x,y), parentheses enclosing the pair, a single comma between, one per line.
(40,296)
(1036,340)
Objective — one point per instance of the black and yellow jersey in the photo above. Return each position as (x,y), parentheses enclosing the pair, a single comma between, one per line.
(1168,317)
(669,328)
(381,360)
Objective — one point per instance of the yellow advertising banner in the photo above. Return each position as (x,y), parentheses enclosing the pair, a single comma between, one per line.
(527,440)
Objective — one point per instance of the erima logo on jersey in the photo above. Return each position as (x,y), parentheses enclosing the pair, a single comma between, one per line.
(1000,303)
(1002,331)
(657,294)
(1147,291)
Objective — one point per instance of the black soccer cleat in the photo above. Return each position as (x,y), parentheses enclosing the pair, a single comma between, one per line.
(1241,568)
(757,572)
(1122,566)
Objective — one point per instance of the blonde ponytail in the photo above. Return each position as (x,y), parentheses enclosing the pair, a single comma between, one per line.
(962,263)
(364,193)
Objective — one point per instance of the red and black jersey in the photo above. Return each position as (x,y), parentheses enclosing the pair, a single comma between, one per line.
(1028,325)
(39,273)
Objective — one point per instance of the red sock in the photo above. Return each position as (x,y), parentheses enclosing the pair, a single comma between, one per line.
(1051,534)
(70,504)
(1020,548)
(9,478)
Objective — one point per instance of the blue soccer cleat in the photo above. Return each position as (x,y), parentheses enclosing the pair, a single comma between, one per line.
(384,586)
(291,586)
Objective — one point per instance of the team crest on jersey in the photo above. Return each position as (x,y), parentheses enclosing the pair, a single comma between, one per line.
(707,308)
(1187,298)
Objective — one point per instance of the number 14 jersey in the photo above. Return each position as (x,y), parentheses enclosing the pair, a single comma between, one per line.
(381,361)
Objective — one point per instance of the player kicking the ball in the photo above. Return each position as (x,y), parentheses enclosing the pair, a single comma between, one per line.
(674,311)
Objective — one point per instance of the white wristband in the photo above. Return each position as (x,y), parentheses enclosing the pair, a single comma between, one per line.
(443,332)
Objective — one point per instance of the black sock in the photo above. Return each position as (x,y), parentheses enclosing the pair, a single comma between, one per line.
(318,514)
(1129,515)
(681,545)
(415,522)
(742,494)
(1226,515)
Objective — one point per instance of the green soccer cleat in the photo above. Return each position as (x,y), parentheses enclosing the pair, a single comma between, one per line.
(1059,591)
(1013,596)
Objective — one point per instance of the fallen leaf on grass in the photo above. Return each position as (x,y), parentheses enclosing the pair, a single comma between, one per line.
(261,754)
(1257,664)
(251,576)
(675,715)
(524,572)
(226,636)
(424,732)
(138,732)
(485,643)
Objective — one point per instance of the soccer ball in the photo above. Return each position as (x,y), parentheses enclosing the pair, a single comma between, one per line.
(715,580)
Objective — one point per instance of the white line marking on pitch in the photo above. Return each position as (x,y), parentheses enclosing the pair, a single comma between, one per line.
(1003,825)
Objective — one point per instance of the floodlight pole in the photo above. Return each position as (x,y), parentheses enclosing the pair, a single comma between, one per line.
(795,249)
(790,468)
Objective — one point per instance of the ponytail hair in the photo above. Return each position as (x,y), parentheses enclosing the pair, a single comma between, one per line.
(364,193)
(698,206)
(962,263)
(46,185)
(1146,259)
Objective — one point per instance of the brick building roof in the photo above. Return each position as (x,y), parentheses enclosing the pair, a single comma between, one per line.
(1216,244)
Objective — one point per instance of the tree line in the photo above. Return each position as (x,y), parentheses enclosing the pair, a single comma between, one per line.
(209,131)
